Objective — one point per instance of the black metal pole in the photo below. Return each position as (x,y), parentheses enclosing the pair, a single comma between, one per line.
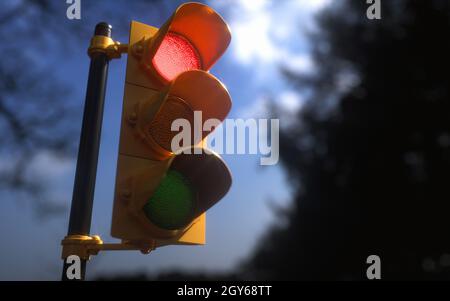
(83,191)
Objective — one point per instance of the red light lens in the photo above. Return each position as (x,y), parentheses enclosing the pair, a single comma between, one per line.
(174,56)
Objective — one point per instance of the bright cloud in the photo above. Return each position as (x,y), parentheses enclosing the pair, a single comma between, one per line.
(253,5)
(313,4)
(291,101)
(251,39)
(250,26)
(256,109)
(267,32)
(300,63)
(266,35)
(46,165)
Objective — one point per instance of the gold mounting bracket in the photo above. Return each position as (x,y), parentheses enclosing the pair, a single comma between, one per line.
(113,49)
(84,246)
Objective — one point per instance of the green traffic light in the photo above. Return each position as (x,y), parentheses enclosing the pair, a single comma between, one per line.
(172,204)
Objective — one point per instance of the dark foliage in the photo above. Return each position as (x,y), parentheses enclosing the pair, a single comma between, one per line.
(36,117)
(370,154)
(38,114)
(171,276)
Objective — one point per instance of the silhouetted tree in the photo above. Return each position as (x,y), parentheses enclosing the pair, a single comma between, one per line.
(171,276)
(37,112)
(370,154)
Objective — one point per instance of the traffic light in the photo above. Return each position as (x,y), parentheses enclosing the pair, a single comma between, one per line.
(192,39)
(163,189)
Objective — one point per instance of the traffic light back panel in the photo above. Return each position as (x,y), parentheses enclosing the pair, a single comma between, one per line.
(135,163)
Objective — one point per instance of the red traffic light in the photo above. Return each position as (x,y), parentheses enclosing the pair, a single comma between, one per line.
(174,56)
(192,39)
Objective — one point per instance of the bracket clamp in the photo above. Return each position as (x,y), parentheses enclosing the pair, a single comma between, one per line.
(102,44)
(84,246)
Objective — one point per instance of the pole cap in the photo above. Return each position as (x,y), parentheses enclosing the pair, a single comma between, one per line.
(103,29)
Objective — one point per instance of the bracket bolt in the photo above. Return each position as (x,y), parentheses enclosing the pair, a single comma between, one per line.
(132,118)
(138,49)
(125,194)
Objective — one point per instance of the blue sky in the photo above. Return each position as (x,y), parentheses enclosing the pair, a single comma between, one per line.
(264,35)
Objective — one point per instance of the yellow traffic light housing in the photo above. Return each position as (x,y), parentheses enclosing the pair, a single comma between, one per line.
(162,193)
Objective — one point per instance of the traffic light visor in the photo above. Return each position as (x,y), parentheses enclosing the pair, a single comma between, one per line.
(207,173)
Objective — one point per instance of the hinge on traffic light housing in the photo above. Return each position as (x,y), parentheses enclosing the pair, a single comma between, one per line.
(113,49)
(84,246)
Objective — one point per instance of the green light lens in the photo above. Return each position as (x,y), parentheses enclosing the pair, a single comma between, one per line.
(171,206)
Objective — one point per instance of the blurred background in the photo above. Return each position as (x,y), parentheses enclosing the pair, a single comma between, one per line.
(364,163)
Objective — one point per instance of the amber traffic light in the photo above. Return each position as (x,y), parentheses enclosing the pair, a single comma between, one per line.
(192,91)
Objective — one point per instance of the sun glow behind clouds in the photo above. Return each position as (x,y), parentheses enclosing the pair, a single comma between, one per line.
(251,31)
(268,32)
(267,35)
